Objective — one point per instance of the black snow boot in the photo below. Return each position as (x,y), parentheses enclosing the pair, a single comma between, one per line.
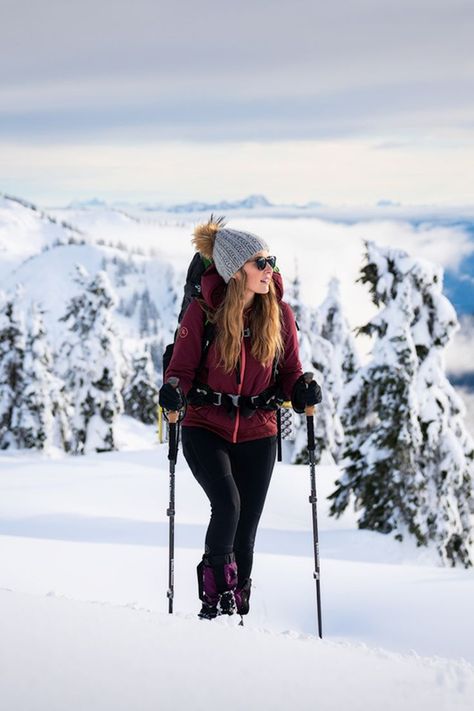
(217,578)
(242,597)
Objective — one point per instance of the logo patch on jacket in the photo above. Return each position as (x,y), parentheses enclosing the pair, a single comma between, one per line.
(183,332)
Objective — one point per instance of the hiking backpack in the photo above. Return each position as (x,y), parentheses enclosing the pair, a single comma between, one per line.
(192,290)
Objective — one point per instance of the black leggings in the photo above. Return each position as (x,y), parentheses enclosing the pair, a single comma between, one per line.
(235,478)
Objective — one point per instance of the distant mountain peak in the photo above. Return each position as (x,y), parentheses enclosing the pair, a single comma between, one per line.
(249,202)
(84,204)
(388,203)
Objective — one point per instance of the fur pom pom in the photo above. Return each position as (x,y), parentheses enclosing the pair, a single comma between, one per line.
(204,236)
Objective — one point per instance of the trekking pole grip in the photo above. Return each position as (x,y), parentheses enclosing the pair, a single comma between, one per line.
(173,416)
(309,409)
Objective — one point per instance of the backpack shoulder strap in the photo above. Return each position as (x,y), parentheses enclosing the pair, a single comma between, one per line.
(192,286)
(207,338)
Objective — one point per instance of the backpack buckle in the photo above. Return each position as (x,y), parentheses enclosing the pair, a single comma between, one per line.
(218,396)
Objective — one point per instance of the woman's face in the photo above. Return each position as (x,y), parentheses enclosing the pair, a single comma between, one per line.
(258,281)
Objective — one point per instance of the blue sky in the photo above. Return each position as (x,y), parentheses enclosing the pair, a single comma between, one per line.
(350,102)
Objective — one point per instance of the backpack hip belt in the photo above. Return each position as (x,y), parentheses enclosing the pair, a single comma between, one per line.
(268,399)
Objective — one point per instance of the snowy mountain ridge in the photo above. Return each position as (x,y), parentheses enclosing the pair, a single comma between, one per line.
(7,200)
(382,209)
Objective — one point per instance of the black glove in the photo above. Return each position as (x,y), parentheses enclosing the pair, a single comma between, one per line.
(171,398)
(304,395)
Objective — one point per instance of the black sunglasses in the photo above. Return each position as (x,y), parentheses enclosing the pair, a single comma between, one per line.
(262,262)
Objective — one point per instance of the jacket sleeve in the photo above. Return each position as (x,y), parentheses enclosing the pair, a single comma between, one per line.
(187,348)
(289,367)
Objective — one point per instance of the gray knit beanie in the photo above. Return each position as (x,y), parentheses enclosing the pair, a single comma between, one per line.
(233,248)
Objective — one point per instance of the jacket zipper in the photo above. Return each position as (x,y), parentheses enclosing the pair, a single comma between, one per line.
(239,389)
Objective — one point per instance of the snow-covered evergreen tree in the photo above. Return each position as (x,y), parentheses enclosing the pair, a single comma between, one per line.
(408,460)
(328,432)
(44,417)
(333,326)
(156,348)
(90,363)
(148,315)
(12,377)
(293,296)
(338,365)
(304,318)
(128,306)
(33,411)
(447,452)
(317,355)
(140,395)
(382,435)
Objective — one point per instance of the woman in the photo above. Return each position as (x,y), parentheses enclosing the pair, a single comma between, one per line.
(229,430)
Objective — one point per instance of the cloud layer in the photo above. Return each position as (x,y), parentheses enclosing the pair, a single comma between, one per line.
(249,70)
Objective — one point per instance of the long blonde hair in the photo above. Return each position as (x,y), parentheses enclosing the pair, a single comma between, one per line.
(264,324)
(264,314)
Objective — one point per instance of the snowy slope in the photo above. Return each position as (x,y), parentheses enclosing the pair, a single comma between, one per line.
(63,519)
(56,654)
(25,228)
(47,278)
(93,532)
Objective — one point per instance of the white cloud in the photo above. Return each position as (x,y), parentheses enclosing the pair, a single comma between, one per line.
(333,172)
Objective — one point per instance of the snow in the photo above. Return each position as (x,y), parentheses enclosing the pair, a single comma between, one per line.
(119,658)
(24,230)
(83,608)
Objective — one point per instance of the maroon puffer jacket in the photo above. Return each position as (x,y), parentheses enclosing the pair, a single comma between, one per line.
(254,376)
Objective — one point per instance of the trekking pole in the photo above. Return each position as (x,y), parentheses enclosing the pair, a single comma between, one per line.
(309,412)
(278,414)
(173,420)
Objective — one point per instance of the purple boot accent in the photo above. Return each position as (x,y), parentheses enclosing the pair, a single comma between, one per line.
(230,574)
(217,579)
(210,594)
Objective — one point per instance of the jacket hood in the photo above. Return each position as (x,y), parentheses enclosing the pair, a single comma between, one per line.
(213,287)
